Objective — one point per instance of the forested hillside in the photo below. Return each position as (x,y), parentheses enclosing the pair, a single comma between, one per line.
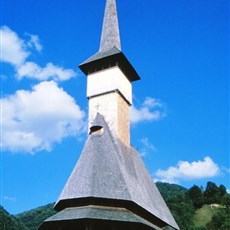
(8,222)
(194,209)
(35,217)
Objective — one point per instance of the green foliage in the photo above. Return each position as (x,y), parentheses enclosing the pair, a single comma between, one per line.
(182,209)
(34,218)
(214,194)
(226,200)
(220,220)
(222,190)
(191,208)
(179,203)
(200,228)
(168,191)
(211,193)
(196,195)
(8,222)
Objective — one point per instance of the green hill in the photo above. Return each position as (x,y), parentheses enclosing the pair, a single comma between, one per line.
(9,222)
(169,191)
(181,202)
(204,215)
(34,218)
(212,217)
(184,207)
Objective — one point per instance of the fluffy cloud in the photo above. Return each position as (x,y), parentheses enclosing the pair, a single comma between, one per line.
(35,120)
(50,71)
(12,47)
(189,171)
(15,51)
(151,110)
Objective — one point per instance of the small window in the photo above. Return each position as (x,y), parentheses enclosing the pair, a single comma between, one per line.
(96,130)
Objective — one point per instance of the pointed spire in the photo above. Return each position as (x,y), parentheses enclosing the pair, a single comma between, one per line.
(109,53)
(110,36)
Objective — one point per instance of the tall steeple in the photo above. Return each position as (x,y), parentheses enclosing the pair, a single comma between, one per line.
(110,36)
(109,187)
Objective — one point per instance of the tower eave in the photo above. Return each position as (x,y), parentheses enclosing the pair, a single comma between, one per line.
(110,58)
(93,213)
(112,203)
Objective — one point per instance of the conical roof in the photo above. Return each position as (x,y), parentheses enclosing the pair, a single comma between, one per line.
(110,173)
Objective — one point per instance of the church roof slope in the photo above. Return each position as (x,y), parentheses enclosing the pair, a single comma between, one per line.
(109,170)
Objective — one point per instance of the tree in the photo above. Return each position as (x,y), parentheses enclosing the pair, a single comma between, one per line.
(196,196)
(220,221)
(211,193)
(34,218)
(8,222)
(182,209)
(222,190)
(226,201)
(200,228)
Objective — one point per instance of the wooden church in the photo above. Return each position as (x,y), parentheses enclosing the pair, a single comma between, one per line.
(110,187)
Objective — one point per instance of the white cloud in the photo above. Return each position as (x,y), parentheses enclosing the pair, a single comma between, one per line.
(50,71)
(15,51)
(13,48)
(151,110)
(147,146)
(189,171)
(34,120)
(34,42)
(152,102)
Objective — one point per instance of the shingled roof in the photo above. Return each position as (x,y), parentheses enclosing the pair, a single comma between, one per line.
(112,174)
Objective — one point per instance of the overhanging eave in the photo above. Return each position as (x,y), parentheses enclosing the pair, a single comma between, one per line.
(108,59)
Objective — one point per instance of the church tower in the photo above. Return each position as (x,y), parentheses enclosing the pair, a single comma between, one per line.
(110,187)
(109,78)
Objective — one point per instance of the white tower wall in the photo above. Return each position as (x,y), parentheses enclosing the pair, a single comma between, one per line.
(110,94)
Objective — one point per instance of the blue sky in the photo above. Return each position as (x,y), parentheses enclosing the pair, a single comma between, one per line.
(180,117)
